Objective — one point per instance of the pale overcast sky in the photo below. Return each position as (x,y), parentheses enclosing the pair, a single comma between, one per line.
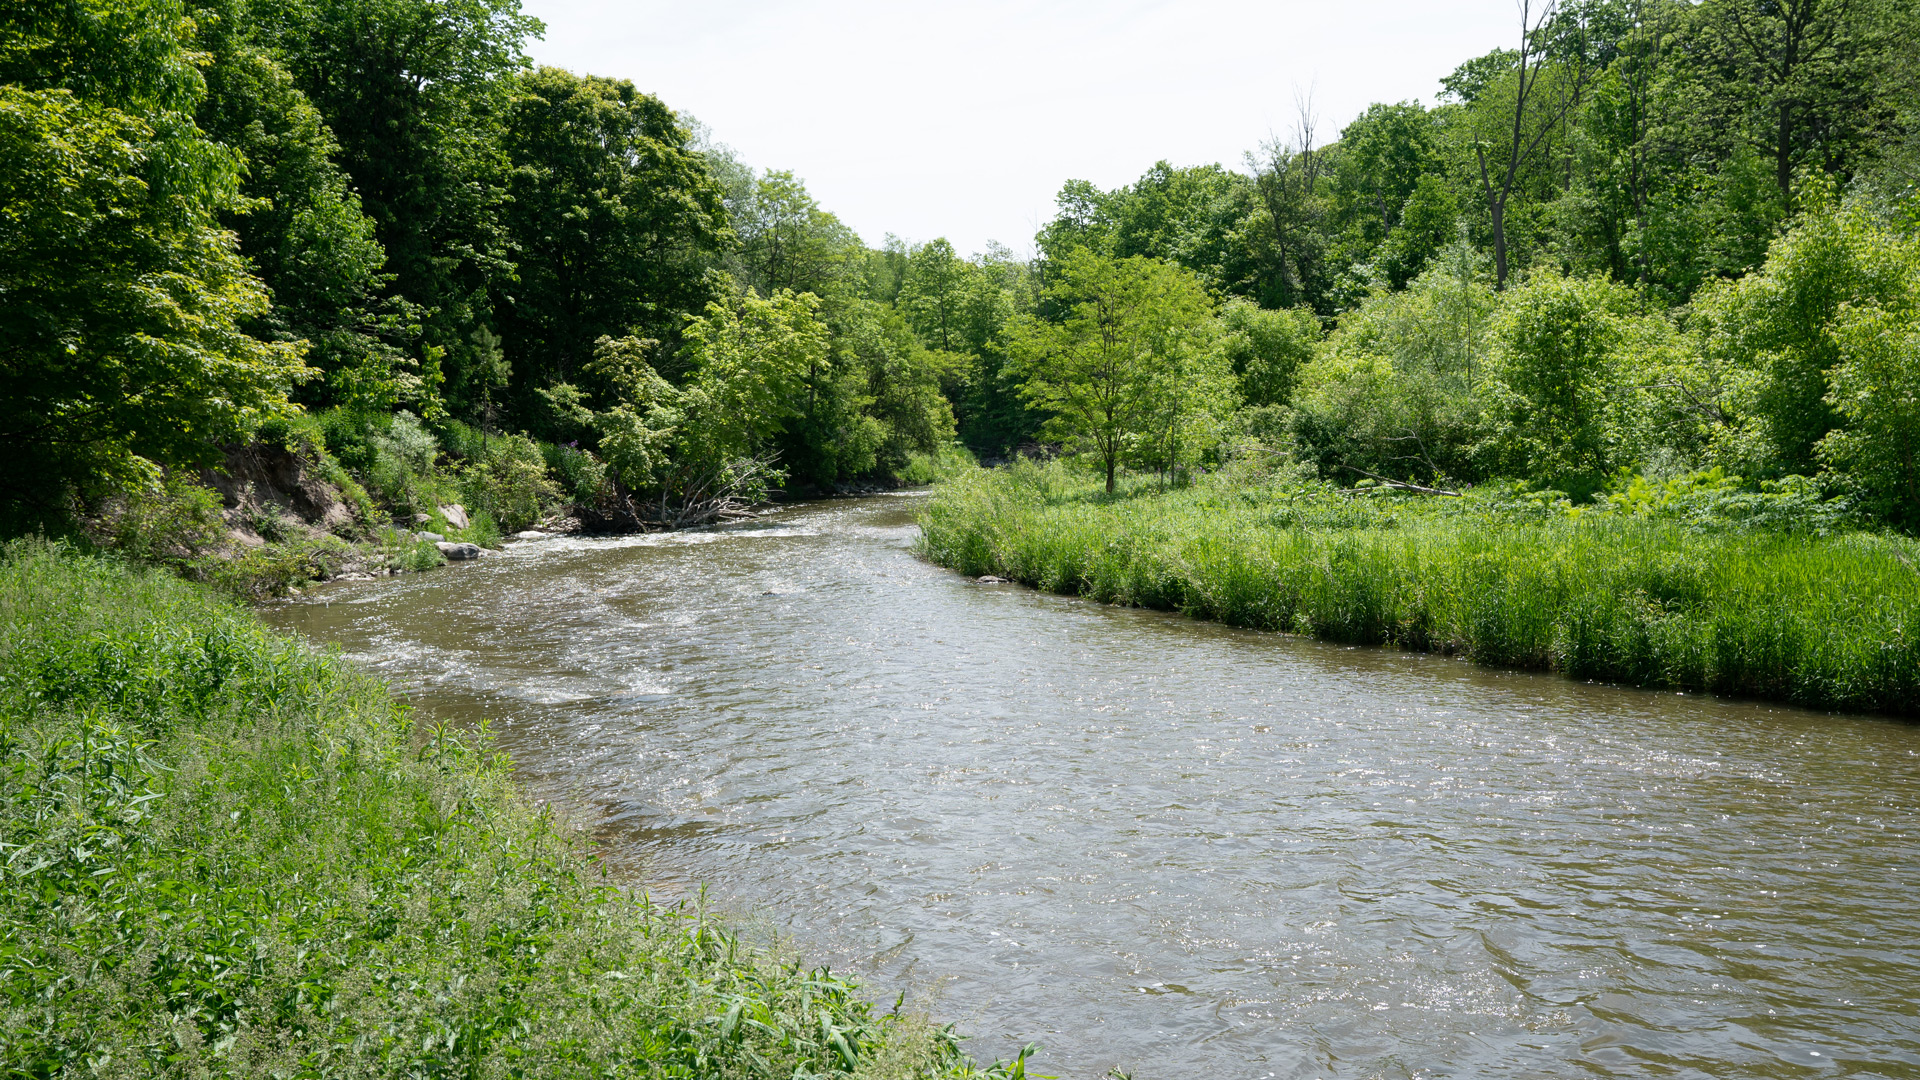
(963,119)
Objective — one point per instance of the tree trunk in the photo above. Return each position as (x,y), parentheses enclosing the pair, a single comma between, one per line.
(1498,207)
(1783,151)
(1110,466)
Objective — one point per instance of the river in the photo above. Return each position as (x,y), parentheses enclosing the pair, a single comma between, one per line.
(1174,847)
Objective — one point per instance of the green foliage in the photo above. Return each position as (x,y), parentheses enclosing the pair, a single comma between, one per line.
(230,855)
(949,461)
(1398,387)
(415,92)
(1777,328)
(1556,342)
(786,240)
(580,475)
(1131,365)
(1267,348)
(750,359)
(299,223)
(612,219)
(173,521)
(1710,499)
(402,456)
(1875,389)
(121,338)
(934,294)
(878,401)
(212,204)
(505,483)
(1385,153)
(1830,622)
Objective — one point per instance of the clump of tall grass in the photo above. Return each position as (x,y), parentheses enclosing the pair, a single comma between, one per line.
(1825,621)
(226,855)
(924,468)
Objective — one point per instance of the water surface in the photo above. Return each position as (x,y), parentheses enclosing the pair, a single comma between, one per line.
(1178,848)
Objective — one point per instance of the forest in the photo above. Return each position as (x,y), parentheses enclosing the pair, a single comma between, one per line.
(1643,241)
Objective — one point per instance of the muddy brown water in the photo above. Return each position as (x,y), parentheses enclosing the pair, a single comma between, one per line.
(1177,848)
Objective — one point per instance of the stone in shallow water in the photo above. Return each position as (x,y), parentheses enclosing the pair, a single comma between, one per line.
(460,551)
(989,579)
(531,534)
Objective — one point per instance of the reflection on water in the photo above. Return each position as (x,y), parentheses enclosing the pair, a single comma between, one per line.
(1179,848)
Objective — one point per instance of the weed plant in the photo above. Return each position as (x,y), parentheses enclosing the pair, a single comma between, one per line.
(950,460)
(1505,578)
(226,855)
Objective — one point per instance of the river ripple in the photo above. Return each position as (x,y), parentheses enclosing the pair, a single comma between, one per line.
(1179,848)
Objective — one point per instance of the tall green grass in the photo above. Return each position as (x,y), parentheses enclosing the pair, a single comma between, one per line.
(1831,622)
(224,855)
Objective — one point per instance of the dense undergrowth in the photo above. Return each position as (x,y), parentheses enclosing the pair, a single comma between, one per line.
(222,854)
(1744,594)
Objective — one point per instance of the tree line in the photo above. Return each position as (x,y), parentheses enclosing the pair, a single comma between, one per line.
(1647,235)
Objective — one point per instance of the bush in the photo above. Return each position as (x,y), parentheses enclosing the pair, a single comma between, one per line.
(950,460)
(171,521)
(582,477)
(506,479)
(275,568)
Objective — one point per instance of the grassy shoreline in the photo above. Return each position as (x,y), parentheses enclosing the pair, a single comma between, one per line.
(226,854)
(1829,622)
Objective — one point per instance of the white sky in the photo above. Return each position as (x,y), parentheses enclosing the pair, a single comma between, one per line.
(963,119)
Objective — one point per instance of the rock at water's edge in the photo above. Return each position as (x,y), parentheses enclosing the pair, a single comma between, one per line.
(458,552)
(989,579)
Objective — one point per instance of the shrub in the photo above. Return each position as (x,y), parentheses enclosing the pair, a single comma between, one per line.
(581,476)
(507,479)
(950,460)
(171,520)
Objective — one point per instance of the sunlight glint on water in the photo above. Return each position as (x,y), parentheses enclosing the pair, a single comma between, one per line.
(1177,848)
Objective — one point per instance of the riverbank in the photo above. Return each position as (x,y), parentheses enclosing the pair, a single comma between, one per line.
(1824,621)
(227,854)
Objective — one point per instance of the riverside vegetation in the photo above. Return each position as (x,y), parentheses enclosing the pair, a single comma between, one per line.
(227,855)
(286,280)
(1684,591)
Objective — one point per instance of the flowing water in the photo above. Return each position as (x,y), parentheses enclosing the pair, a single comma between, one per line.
(1178,848)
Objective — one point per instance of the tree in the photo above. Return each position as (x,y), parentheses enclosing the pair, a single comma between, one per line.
(1875,388)
(1428,222)
(612,223)
(1384,153)
(415,92)
(1396,388)
(1803,81)
(1288,229)
(1528,104)
(1098,370)
(1555,344)
(749,366)
(787,241)
(121,340)
(934,293)
(1266,349)
(300,225)
(1190,216)
(1776,329)
(892,404)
